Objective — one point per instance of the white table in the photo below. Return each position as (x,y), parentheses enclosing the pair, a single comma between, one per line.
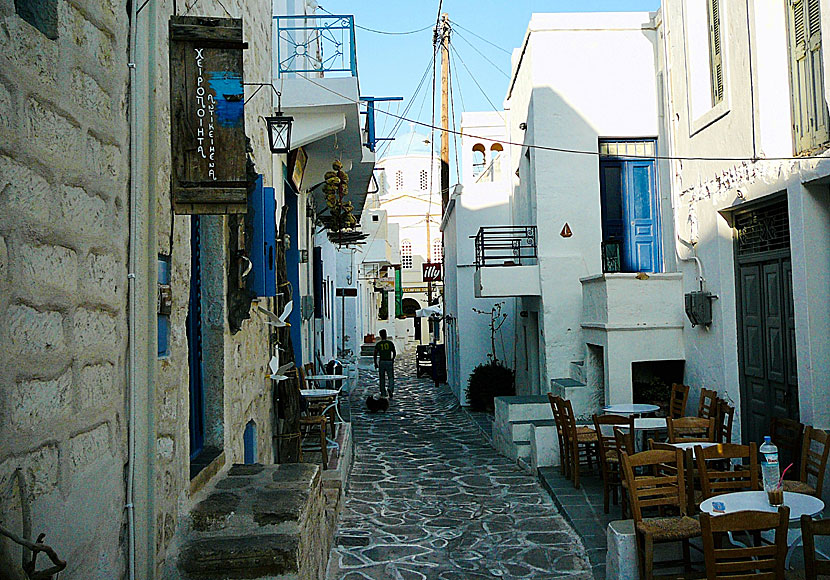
(631,409)
(691,445)
(799,503)
(644,424)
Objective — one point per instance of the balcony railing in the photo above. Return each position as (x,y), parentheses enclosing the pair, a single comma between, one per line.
(506,246)
(316,44)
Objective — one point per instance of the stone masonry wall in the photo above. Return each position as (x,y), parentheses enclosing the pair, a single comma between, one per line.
(235,365)
(63,279)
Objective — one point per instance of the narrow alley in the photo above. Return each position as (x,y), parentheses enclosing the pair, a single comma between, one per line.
(429,498)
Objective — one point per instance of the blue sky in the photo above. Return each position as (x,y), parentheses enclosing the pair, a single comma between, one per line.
(392,65)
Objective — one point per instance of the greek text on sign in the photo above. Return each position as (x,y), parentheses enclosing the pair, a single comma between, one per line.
(432,272)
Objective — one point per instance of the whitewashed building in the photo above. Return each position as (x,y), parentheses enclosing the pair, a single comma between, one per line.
(483,200)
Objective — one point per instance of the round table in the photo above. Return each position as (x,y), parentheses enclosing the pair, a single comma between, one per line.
(318,393)
(316,378)
(631,409)
(691,445)
(799,503)
(644,424)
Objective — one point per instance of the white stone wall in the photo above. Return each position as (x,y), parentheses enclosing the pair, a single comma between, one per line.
(235,365)
(704,192)
(63,252)
(565,107)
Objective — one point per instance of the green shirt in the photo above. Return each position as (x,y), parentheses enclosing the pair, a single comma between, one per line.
(385,350)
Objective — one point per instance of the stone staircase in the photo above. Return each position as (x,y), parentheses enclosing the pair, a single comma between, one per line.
(523,426)
(260,521)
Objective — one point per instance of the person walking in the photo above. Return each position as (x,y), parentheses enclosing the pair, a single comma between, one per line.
(385,363)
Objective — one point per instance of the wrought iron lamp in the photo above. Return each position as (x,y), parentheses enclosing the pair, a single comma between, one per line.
(279,129)
(279,132)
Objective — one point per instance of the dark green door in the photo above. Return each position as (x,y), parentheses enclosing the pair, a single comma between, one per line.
(766,333)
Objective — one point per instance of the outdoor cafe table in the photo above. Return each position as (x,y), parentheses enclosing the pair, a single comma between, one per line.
(631,409)
(312,394)
(799,504)
(642,425)
(691,445)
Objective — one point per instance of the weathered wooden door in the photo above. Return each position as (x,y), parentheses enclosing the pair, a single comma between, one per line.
(766,333)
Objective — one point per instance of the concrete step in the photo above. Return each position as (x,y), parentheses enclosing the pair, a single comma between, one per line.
(584,399)
(262,556)
(577,370)
(544,446)
(522,408)
(523,430)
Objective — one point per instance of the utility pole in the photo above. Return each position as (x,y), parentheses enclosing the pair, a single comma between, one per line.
(445,111)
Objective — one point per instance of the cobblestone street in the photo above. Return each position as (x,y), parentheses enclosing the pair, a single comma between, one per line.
(428,498)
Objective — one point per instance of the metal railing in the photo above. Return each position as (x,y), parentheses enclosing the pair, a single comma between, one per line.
(506,246)
(316,44)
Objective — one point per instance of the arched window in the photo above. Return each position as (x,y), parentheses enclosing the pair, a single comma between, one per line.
(399,179)
(424,180)
(406,255)
(495,160)
(479,159)
(437,251)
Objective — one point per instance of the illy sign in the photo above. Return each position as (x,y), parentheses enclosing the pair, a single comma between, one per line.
(432,272)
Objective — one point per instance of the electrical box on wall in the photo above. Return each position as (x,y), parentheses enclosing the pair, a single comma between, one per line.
(262,279)
(699,307)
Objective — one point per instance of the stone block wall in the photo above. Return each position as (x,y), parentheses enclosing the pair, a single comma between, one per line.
(235,365)
(63,280)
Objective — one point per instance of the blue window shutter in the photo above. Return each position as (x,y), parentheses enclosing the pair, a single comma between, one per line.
(262,279)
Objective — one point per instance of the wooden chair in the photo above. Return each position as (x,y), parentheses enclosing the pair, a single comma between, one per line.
(690,429)
(810,528)
(706,404)
(624,440)
(677,400)
(556,407)
(786,434)
(763,561)
(314,418)
(723,421)
(661,486)
(718,473)
(814,451)
(308,368)
(609,456)
(580,441)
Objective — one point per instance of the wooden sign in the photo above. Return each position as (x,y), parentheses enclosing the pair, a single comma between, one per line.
(298,170)
(207,109)
(432,272)
(351,292)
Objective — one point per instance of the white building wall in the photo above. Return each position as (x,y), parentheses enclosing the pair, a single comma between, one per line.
(756,65)
(618,99)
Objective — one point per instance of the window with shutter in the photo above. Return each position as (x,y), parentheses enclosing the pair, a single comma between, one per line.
(715,54)
(810,125)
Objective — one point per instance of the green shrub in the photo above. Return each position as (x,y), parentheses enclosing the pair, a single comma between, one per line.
(487,381)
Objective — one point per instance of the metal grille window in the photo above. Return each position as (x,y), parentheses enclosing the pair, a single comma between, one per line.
(406,255)
(623,148)
(437,251)
(765,229)
(424,180)
(399,179)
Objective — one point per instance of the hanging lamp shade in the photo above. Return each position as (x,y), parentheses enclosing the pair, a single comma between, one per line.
(279,132)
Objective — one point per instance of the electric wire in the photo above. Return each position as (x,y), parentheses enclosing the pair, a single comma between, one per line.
(454,126)
(460,92)
(480,88)
(389,32)
(481,37)
(580,151)
(484,56)
(402,117)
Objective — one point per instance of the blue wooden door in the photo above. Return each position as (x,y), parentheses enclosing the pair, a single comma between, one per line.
(194,343)
(630,213)
(641,232)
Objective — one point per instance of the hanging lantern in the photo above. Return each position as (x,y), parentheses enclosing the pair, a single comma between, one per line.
(279,132)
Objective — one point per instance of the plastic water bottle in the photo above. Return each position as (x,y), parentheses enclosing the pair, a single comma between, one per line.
(769,464)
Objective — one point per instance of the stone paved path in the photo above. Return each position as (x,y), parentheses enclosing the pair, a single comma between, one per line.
(428,498)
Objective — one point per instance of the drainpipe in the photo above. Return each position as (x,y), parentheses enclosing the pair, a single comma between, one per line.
(131,282)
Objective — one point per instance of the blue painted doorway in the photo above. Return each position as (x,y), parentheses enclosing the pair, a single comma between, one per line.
(630,209)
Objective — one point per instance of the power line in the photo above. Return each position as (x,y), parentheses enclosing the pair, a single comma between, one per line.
(495,66)
(389,32)
(481,38)
(574,151)
(472,76)
(454,126)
